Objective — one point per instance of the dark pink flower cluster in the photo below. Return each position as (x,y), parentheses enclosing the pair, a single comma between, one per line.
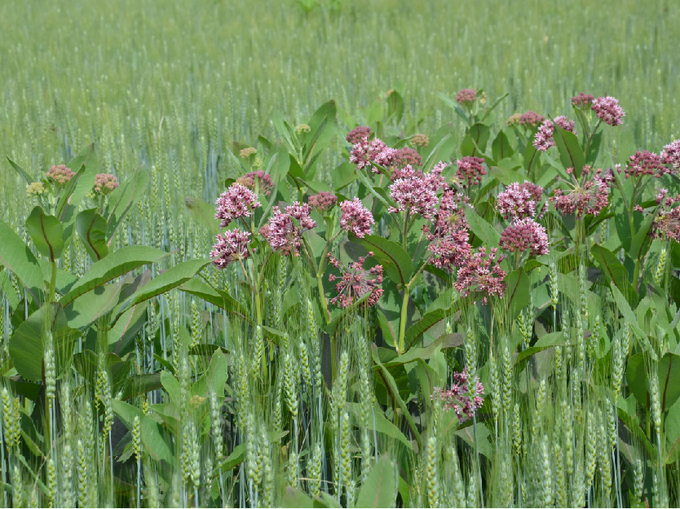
(519,200)
(464,397)
(355,282)
(608,110)
(587,197)
(582,101)
(358,134)
(356,218)
(667,221)
(407,157)
(230,247)
(645,163)
(525,235)
(364,153)
(104,183)
(284,230)
(544,136)
(237,201)
(259,179)
(322,201)
(482,272)
(466,97)
(670,155)
(530,119)
(415,192)
(470,170)
(449,240)
(60,174)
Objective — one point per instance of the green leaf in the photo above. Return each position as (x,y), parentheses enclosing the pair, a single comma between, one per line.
(668,371)
(475,140)
(293,497)
(343,175)
(236,457)
(571,153)
(481,228)
(27,345)
(614,270)
(430,319)
(222,300)
(203,214)
(87,309)
(380,488)
(517,293)
(91,227)
(18,258)
(124,198)
(530,157)
(642,240)
(153,440)
(214,378)
(594,148)
(637,432)
(116,264)
(46,232)
(630,318)
(21,172)
(548,341)
(501,148)
(390,253)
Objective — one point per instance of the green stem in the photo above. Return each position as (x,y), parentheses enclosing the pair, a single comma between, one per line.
(402,320)
(322,296)
(53,282)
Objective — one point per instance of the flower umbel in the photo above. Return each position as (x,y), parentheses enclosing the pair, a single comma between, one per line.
(470,170)
(482,272)
(608,110)
(449,241)
(105,183)
(645,163)
(670,155)
(667,221)
(415,192)
(544,136)
(322,201)
(525,235)
(230,247)
(464,397)
(519,200)
(355,282)
(284,230)
(582,101)
(356,218)
(466,97)
(587,196)
(237,201)
(259,179)
(60,174)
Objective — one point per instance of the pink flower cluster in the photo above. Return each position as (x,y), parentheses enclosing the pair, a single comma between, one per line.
(355,282)
(449,241)
(525,234)
(587,197)
(645,163)
(415,192)
(582,101)
(407,157)
(60,174)
(519,200)
(670,155)
(230,247)
(464,397)
(356,218)
(284,230)
(366,153)
(470,170)
(667,221)
(482,272)
(466,97)
(358,134)
(608,110)
(544,136)
(237,201)
(322,201)
(104,183)
(259,179)
(530,119)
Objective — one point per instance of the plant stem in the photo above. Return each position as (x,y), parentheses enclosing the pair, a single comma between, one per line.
(402,320)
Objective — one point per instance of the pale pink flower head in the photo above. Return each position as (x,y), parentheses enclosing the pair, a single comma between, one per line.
(415,192)
(284,230)
(60,174)
(470,170)
(482,272)
(355,281)
(544,136)
(464,397)
(257,179)
(357,134)
(366,152)
(525,235)
(322,201)
(407,156)
(519,200)
(466,97)
(645,163)
(608,110)
(105,183)
(530,119)
(237,201)
(356,218)
(587,197)
(670,155)
(230,247)
(449,241)
(582,101)
(667,220)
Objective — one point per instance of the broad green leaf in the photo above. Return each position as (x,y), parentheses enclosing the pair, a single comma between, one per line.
(153,439)
(171,386)
(343,175)
(377,422)
(433,317)
(517,292)
(530,157)
(630,318)
(548,341)
(115,265)
(380,488)
(46,232)
(501,148)
(293,497)
(614,271)
(481,228)
(390,253)
(632,424)
(594,148)
(222,300)
(91,227)
(18,258)
(27,344)
(475,140)
(236,457)
(571,153)
(87,309)
(668,371)
(214,378)
(202,213)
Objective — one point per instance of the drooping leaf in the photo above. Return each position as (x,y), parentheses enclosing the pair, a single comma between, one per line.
(21,172)
(380,488)
(390,253)
(475,140)
(91,227)
(46,232)
(668,371)
(222,300)
(18,258)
